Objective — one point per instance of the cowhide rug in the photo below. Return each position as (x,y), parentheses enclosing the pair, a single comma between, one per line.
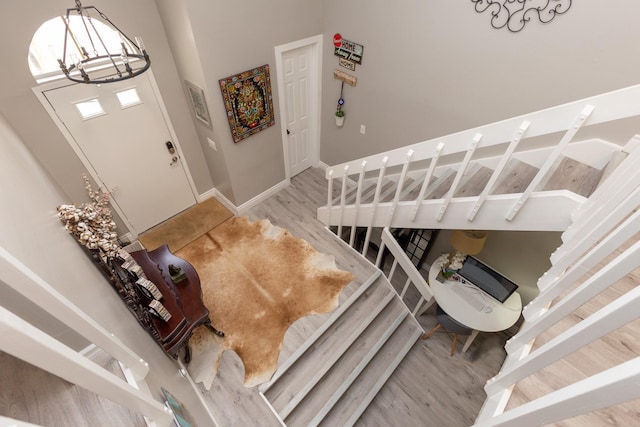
(257,279)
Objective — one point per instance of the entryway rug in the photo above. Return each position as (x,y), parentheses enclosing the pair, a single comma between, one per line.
(187,226)
(257,279)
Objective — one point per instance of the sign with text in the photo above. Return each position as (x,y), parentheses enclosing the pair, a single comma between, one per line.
(349,50)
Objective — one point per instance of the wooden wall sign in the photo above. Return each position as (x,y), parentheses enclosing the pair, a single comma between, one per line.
(347,50)
(345,77)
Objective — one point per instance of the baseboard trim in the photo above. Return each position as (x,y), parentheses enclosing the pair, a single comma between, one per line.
(243,208)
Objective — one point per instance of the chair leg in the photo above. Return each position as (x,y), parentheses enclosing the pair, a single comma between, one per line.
(428,334)
(453,346)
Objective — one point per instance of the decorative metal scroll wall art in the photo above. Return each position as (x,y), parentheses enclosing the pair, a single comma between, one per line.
(514,14)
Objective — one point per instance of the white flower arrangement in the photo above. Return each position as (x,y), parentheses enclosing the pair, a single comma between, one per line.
(450,263)
(91,223)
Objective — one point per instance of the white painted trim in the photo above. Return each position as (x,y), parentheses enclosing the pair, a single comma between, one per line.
(197,390)
(39,93)
(27,283)
(96,354)
(28,343)
(207,195)
(243,208)
(10,422)
(226,202)
(316,111)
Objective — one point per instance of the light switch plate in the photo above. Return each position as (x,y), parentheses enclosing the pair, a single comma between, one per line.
(363,129)
(212,144)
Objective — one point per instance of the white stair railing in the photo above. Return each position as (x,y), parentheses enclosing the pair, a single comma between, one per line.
(440,153)
(589,271)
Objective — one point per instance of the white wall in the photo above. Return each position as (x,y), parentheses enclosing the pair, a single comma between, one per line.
(434,67)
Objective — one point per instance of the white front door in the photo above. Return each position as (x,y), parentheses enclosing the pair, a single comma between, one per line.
(127,143)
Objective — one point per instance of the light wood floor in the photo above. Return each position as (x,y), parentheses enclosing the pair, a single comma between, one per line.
(429,388)
(30,394)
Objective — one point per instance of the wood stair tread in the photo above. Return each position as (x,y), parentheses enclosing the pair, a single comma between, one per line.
(516,176)
(332,380)
(572,175)
(296,377)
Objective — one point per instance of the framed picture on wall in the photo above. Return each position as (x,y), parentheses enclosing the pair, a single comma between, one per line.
(198,103)
(248,101)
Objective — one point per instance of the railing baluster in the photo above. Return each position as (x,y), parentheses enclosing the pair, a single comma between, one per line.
(427,180)
(343,195)
(352,238)
(396,199)
(458,178)
(498,170)
(329,196)
(376,199)
(546,167)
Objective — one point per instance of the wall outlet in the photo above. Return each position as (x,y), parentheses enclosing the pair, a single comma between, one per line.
(363,129)
(212,144)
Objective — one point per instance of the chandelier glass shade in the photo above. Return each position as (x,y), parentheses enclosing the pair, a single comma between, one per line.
(92,54)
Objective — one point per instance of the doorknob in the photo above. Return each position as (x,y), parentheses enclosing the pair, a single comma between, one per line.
(288,133)
(170,147)
(174,159)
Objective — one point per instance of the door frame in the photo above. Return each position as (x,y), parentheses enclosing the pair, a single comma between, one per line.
(57,84)
(315,42)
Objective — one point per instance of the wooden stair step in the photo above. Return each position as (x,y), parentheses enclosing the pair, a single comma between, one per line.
(367,385)
(329,384)
(475,181)
(574,176)
(293,384)
(441,185)
(515,177)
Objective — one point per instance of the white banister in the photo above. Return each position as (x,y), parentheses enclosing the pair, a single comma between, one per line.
(27,283)
(410,270)
(376,200)
(352,238)
(551,160)
(343,195)
(622,265)
(462,169)
(599,226)
(329,195)
(427,180)
(611,317)
(498,170)
(609,185)
(28,343)
(630,227)
(396,199)
(610,387)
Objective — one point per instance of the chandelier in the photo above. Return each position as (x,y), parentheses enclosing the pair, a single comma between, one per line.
(514,14)
(97,56)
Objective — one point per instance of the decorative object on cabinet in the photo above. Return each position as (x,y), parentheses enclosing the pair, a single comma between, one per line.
(248,101)
(515,15)
(141,278)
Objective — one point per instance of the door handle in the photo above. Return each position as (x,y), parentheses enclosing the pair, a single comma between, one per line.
(288,133)
(174,159)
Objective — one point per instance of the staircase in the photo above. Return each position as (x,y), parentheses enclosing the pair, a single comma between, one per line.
(516,175)
(354,352)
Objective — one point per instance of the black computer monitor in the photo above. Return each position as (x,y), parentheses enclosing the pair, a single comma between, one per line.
(487,279)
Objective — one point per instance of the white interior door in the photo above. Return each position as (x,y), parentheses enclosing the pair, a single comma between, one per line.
(125,142)
(299,89)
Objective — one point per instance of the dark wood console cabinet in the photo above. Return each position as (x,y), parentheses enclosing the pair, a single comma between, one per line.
(183,300)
